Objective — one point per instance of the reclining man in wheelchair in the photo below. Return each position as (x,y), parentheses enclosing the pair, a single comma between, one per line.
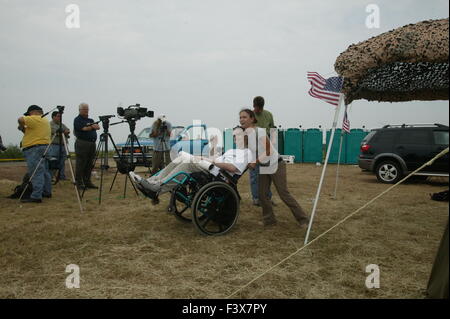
(206,185)
(227,167)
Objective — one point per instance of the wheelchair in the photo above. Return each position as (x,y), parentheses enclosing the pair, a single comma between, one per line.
(210,202)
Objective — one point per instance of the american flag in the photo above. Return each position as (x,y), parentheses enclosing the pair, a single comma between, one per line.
(325,89)
(346,122)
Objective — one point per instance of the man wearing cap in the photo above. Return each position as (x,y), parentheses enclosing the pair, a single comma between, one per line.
(35,141)
(86,132)
(161,130)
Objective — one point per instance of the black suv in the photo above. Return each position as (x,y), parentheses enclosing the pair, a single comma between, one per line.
(394,151)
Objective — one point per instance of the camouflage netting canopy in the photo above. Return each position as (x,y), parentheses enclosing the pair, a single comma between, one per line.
(405,64)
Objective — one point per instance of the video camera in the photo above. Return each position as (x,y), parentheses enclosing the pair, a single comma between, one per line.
(60,108)
(134,112)
(105,117)
(163,126)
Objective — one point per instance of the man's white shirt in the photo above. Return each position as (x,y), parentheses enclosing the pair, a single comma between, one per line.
(240,158)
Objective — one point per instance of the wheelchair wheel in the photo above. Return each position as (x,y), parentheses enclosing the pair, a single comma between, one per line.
(179,206)
(215,208)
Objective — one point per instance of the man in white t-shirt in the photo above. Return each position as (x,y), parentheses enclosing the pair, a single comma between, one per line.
(234,161)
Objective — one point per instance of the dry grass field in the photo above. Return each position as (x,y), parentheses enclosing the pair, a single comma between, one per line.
(127,248)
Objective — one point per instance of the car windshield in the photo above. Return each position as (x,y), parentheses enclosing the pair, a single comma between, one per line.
(176,130)
(145,134)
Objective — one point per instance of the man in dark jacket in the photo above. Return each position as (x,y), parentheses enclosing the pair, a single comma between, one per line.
(86,134)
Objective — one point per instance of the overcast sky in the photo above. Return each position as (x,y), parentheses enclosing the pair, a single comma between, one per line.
(193,59)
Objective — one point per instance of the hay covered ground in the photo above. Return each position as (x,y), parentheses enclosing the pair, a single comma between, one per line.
(127,248)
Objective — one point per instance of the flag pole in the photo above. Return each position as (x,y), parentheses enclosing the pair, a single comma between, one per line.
(338,163)
(336,115)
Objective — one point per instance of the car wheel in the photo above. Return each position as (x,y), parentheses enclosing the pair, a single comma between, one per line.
(389,172)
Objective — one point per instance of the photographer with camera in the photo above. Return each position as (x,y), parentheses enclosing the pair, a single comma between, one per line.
(85,131)
(35,141)
(57,149)
(161,130)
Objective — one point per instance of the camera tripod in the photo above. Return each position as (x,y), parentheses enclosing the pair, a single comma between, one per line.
(163,147)
(102,152)
(125,164)
(61,111)
(162,139)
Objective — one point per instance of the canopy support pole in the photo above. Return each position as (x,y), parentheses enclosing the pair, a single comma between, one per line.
(338,164)
(336,115)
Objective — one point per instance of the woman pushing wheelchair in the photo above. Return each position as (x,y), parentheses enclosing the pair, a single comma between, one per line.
(272,169)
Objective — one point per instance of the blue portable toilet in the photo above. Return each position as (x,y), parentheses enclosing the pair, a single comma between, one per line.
(312,146)
(293,144)
(336,145)
(228,139)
